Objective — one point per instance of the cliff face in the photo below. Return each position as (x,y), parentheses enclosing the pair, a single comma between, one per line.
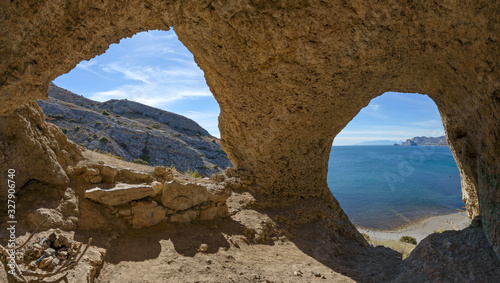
(289,75)
(425,141)
(133,131)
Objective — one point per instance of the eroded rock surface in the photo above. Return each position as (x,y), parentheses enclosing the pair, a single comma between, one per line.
(288,76)
(120,194)
(452,256)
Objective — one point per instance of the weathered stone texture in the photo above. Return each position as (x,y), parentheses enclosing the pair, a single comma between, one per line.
(120,194)
(37,151)
(289,75)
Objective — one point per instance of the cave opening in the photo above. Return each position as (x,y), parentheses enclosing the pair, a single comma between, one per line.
(388,174)
(144,100)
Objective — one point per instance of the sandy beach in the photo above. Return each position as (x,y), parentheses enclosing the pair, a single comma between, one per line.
(423,228)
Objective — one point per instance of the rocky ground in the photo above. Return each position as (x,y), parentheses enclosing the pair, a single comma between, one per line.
(153,224)
(133,131)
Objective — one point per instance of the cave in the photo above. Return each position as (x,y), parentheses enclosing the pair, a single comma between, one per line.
(288,76)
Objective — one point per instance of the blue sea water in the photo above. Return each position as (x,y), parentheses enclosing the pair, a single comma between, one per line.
(384,187)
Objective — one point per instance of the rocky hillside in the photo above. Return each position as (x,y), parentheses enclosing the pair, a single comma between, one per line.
(135,132)
(425,141)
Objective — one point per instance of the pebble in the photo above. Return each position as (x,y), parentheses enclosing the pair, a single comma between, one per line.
(62,255)
(49,252)
(317,274)
(203,248)
(297,273)
(46,262)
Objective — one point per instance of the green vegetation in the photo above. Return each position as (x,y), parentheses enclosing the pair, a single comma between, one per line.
(149,128)
(193,174)
(213,141)
(176,135)
(98,123)
(215,166)
(64,130)
(104,139)
(94,135)
(144,156)
(104,112)
(439,231)
(50,115)
(155,126)
(117,116)
(409,240)
(60,116)
(198,134)
(202,155)
(140,161)
(77,128)
(112,155)
(90,139)
(201,148)
(173,167)
(72,120)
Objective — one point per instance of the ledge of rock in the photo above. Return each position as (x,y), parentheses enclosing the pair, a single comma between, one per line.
(120,194)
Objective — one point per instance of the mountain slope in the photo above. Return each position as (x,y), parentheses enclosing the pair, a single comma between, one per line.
(134,131)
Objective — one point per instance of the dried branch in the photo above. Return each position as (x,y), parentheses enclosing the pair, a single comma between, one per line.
(32,234)
(64,267)
(78,260)
(18,271)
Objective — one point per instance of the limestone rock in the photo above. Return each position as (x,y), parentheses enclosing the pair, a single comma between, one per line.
(147,214)
(134,176)
(452,256)
(164,173)
(33,148)
(108,174)
(288,77)
(185,216)
(46,262)
(120,194)
(177,196)
(158,187)
(214,212)
(95,180)
(54,219)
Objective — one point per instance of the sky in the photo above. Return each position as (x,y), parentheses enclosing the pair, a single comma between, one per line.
(156,69)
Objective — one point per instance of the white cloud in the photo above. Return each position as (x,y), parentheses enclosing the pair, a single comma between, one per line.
(374,107)
(154,85)
(87,66)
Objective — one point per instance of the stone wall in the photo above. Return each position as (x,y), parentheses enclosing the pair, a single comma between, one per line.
(289,75)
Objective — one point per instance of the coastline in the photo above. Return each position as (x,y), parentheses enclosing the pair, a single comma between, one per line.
(421,229)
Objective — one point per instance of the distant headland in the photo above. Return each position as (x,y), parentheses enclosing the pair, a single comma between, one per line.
(425,141)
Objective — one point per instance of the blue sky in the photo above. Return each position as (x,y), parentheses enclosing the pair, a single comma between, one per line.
(155,68)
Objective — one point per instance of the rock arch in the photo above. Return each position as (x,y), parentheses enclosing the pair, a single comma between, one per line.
(289,75)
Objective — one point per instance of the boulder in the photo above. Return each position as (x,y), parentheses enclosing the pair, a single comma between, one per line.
(177,196)
(147,214)
(134,176)
(164,174)
(120,194)
(108,174)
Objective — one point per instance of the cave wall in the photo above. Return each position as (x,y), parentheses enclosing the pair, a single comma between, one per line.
(289,75)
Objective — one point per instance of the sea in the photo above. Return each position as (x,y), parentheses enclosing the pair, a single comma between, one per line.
(389,187)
